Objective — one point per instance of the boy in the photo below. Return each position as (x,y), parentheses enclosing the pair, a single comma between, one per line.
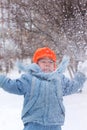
(43,87)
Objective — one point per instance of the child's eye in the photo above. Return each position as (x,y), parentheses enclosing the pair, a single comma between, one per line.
(51,62)
(43,61)
(47,62)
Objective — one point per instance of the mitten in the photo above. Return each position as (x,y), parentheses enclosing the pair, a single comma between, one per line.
(21,66)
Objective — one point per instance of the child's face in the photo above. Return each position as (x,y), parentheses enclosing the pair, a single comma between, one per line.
(46,64)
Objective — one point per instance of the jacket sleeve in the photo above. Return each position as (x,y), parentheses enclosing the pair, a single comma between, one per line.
(72,86)
(16,86)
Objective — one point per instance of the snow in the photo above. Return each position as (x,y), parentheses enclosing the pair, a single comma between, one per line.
(11,107)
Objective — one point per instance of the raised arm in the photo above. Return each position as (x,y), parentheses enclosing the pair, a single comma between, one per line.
(72,86)
(16,86)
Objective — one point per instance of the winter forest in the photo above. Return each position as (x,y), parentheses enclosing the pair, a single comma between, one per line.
(26,25)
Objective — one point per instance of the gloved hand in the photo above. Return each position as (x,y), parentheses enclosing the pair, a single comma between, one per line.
(2,79)
(82,67)
(20,66)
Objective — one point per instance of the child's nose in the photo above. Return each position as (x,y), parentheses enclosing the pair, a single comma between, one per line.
(47,64)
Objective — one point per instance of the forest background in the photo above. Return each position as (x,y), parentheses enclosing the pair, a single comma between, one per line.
(26,25)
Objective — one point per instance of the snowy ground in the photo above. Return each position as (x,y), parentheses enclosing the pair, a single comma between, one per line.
(11,106)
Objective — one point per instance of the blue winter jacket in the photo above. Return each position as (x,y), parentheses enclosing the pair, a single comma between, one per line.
(43,94)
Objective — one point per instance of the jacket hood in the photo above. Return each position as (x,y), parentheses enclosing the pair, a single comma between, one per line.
(36,70)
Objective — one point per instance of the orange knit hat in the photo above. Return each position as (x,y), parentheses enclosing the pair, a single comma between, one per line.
(44,52)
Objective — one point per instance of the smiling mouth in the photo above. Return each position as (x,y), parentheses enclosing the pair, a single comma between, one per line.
(47,70)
